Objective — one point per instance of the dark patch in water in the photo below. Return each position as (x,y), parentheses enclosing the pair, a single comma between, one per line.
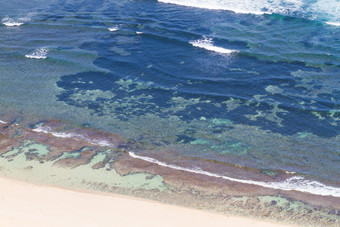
(212,78)
(184,139)
(207,89)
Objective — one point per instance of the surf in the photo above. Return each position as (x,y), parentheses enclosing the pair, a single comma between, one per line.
(75,136)
(40,53)
(114,28)
(296,183)
(327,11)
(208,44)
(9,22)
(334,23)
(245,7)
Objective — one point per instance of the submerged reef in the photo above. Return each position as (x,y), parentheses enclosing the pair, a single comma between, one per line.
(56,153)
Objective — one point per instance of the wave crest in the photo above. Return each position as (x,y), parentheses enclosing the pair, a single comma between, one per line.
(208,44)
(114,28)
(244,7)
(297,183)
(333,23)
(75,136)
(9,22)
(294,183)
(40,53)
(321,9)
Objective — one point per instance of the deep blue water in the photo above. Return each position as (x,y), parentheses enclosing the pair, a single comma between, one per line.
(163,76)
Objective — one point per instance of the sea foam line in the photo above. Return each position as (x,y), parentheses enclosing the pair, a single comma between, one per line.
(312,10)
(208,44)
(297,183)
(333,23)
(74,136)
(220,5)
(3,122)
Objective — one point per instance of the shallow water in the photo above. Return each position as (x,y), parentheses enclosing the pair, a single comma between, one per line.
(253,85)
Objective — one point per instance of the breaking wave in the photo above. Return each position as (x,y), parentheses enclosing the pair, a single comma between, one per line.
(333,23)
(9,22)
(324,10)
(74,136)
(245,7)
(208,44)
(40,53)
(297,183)
(114,28)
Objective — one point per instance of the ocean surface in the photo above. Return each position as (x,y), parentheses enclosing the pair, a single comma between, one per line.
(253,84)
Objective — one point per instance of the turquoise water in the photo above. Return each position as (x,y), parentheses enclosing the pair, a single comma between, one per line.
(253,84)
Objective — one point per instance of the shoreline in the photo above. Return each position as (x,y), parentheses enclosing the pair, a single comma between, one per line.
(119,113)
(79,159)
(28,204)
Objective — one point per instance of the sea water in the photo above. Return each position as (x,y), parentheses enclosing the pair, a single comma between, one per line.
(254,84)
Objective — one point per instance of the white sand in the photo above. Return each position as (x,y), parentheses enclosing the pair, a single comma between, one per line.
(25,204)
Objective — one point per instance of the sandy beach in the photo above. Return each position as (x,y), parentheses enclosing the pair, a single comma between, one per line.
(25,204)
(169,113)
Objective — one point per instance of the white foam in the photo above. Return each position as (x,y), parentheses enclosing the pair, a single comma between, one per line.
(74,136)
(326,9)
(333,23)
(102,143)
(244,7)
(57,134)
(296,183)
(114,28)
(9,22)
(12,24)
(319,9)
(207,43)
(34,56)
(40,53)
(139,33)
(3,122)
(289,172)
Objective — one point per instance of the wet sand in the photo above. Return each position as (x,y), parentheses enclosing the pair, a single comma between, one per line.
(25,204)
